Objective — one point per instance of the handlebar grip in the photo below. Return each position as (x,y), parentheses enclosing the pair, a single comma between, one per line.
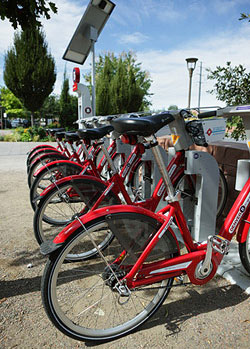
(207,114)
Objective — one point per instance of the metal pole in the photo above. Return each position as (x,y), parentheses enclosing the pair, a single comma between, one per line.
(190,86)
(199,97)
(93,77)
(1,117)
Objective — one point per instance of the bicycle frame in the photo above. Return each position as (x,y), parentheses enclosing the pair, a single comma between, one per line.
(144,274)
(88,164)
(116,183)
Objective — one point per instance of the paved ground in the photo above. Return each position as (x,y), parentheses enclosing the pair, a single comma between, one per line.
(215,315)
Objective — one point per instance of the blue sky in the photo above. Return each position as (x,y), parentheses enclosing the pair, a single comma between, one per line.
(162,33)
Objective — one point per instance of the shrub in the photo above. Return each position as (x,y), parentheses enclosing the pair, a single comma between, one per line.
(10,138)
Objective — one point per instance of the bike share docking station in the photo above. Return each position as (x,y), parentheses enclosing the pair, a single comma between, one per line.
(203,168)
(202,215)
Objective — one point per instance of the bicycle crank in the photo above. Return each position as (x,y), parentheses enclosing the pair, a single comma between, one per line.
(214,243)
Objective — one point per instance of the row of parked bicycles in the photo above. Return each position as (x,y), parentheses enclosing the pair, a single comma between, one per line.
(113,254)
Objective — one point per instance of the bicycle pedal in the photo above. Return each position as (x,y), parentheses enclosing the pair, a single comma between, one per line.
(179,279)
(220,244)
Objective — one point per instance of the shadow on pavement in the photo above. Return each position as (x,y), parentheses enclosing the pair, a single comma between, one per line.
(179,311)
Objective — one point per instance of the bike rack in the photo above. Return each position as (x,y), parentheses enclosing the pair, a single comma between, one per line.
(202,221)
(206,169)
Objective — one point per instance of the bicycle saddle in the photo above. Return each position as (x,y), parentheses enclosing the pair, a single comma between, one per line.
(142,126)
(95,133)
(60,135)
(52,131)
(71,136)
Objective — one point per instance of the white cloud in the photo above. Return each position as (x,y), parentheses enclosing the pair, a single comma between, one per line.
(134,38)
(169,72)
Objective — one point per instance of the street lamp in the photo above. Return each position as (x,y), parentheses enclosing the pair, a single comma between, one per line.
(191,63)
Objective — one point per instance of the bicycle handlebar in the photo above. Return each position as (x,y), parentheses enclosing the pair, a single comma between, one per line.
(207,114)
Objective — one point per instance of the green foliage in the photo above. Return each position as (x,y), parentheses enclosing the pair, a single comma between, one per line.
(121,85)
(8,100)
(26,12)
(11,138)
(232,86)
(53,125)
(29,69)
(50,108)
(173,107)
(244,16)
(31,134)
(68,105)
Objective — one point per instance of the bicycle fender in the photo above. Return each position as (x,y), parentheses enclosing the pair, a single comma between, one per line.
(41,150)
(69,179)
(243,229)
(63,157)
(56,162)
(104,211)
(50,246)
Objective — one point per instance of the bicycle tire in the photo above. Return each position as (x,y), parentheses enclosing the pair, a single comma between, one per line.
(49,175)
(222,193)
(80,302)
(53,212)
(39,146)
(244,252)
(38,152)
(136,179)
(43,160)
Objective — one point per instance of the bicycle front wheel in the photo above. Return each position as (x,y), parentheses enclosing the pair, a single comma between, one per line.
(186,185)
(80,298)
(244,252)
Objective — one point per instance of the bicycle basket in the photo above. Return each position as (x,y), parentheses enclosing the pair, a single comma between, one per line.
(134,231)
(206,131)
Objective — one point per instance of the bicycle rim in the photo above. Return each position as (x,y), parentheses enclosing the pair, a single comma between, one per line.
(79,301)
(66,202)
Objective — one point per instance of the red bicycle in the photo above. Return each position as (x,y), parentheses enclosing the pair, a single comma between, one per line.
(94,164)
(104,298)
(75,195)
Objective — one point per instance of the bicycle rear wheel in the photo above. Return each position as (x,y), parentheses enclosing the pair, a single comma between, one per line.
(38,153)
(42,161)
(81,299)
(62,204)
(49,175)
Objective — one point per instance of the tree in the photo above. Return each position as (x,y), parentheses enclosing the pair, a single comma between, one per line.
(29,70)
(104,77)
(26,12)
(245,16)
(68,105)
(121,85)
(232,86)
(50,108)
(173,107)
(12,105)
(9,100)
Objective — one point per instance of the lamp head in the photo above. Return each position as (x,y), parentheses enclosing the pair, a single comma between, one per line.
(191,63)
